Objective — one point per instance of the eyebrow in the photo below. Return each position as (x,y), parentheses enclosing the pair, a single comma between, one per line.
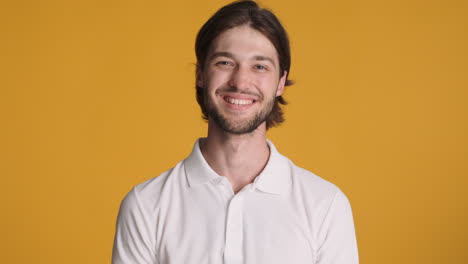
(264,58)
(230,55)
(221,54)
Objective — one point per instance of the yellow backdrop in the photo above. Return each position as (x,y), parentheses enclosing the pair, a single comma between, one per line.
(98,96)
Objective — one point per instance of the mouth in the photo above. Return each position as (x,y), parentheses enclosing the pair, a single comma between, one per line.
(237,101)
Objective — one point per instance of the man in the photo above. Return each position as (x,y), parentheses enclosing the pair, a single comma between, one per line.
(235,199)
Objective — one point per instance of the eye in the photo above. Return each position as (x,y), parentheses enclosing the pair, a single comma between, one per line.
(224,63)
(260,67)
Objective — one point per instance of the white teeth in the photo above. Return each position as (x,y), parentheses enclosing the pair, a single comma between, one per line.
(238,101)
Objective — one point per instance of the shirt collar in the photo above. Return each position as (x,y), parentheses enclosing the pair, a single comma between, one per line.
(197,169)
(275,177)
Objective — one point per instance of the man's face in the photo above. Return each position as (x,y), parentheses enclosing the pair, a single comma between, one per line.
(241,80)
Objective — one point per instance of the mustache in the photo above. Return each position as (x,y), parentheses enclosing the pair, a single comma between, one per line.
(233,89)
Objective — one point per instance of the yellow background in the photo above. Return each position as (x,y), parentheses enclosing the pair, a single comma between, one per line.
(98,96)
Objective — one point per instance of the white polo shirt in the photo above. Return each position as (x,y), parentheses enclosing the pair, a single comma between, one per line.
(190,214)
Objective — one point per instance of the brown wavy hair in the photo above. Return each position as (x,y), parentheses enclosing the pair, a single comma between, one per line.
(264,21)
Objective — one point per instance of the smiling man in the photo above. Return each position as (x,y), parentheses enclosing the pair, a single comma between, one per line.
(240,80)
(236,199)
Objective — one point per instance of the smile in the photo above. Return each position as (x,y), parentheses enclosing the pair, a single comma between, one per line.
(238,101)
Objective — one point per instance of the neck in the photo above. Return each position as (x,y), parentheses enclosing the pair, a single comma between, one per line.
(240,158)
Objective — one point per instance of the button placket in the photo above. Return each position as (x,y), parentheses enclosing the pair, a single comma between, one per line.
(234,230)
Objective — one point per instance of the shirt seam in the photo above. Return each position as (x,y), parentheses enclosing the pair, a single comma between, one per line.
(139,204)
(325,217)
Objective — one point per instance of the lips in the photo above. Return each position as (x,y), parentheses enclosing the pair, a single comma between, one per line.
(237,101)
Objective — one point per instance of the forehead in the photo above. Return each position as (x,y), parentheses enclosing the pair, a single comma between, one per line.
(244,42)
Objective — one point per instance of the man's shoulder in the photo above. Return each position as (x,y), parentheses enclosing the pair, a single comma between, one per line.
(310,178)
(311,184)
(316,193)
(149,192)
(301,181)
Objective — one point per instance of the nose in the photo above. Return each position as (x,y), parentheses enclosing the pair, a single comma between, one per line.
(240,78)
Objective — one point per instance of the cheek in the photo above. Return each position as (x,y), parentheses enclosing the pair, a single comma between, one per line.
(215,79)
(269,80)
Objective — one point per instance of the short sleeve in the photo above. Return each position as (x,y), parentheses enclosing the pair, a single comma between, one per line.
(132,242)
(337,236)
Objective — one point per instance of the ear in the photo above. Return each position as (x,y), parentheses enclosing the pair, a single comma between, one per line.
(199,77)
(281,83)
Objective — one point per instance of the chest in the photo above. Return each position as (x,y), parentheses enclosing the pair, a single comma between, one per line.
(212,225)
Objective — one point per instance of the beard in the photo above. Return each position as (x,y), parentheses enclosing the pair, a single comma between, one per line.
(239,127)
